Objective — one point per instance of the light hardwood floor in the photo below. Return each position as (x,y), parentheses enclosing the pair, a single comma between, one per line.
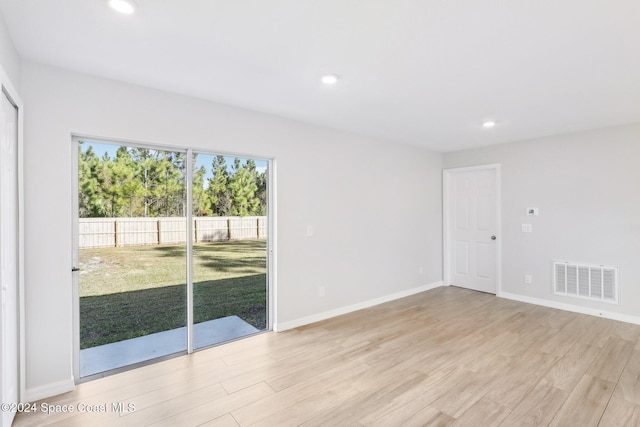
(449,356)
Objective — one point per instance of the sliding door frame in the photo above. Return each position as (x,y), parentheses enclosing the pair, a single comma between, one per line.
(271,239)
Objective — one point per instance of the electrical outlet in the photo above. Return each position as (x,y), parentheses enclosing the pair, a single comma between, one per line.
(421,270)
(528,279)
(321,291)
(533,211)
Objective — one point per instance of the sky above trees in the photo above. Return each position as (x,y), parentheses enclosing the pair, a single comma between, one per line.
(119,181)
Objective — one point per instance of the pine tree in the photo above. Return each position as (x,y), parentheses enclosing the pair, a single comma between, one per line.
(219,195)
(141,182)
(243,189)
(90,198)
(170,189)
(262,193)
(200,198)
(122,189)
(146,160)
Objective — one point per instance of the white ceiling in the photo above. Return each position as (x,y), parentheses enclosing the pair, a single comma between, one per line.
(425,72)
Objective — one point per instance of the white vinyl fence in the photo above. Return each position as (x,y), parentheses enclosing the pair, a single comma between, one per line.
(109,232)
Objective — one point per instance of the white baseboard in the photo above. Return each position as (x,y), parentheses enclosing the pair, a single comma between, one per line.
(574,308)
(49,390)
(279,327)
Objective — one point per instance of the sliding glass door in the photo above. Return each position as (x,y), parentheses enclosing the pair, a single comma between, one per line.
(230,248)
(155,277)
(132,278)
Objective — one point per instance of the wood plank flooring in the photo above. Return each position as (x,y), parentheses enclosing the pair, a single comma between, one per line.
(446,357)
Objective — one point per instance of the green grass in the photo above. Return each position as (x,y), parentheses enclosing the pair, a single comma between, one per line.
(133,291)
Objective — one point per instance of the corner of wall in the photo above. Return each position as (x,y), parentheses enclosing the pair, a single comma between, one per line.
(572,308)
(10,60)
(283,326)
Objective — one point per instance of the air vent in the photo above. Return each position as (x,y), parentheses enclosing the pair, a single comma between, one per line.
(594,282)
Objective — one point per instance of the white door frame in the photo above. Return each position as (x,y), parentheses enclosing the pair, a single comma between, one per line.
(446,240)
(7,87)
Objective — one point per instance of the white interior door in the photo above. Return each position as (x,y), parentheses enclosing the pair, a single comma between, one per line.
(8,255)
(472,223)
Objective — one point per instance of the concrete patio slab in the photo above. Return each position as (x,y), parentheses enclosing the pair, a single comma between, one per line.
(106,357)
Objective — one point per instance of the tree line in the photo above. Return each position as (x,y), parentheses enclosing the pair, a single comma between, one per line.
(141,182)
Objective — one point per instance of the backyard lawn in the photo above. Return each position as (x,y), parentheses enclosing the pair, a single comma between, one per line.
(128,292)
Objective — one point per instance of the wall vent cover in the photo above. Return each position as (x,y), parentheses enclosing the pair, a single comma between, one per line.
(594,282)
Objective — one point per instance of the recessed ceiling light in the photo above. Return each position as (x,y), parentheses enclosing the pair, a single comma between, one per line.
(330,79)
(489,124)
(123,6)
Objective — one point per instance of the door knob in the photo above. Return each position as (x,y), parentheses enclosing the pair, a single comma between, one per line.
(493,237)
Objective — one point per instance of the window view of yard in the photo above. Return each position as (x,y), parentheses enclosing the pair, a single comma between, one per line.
(133,228)
(131,291)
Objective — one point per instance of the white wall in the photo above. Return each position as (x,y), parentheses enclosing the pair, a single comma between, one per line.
(586,186)
(9,58)
(375,206)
